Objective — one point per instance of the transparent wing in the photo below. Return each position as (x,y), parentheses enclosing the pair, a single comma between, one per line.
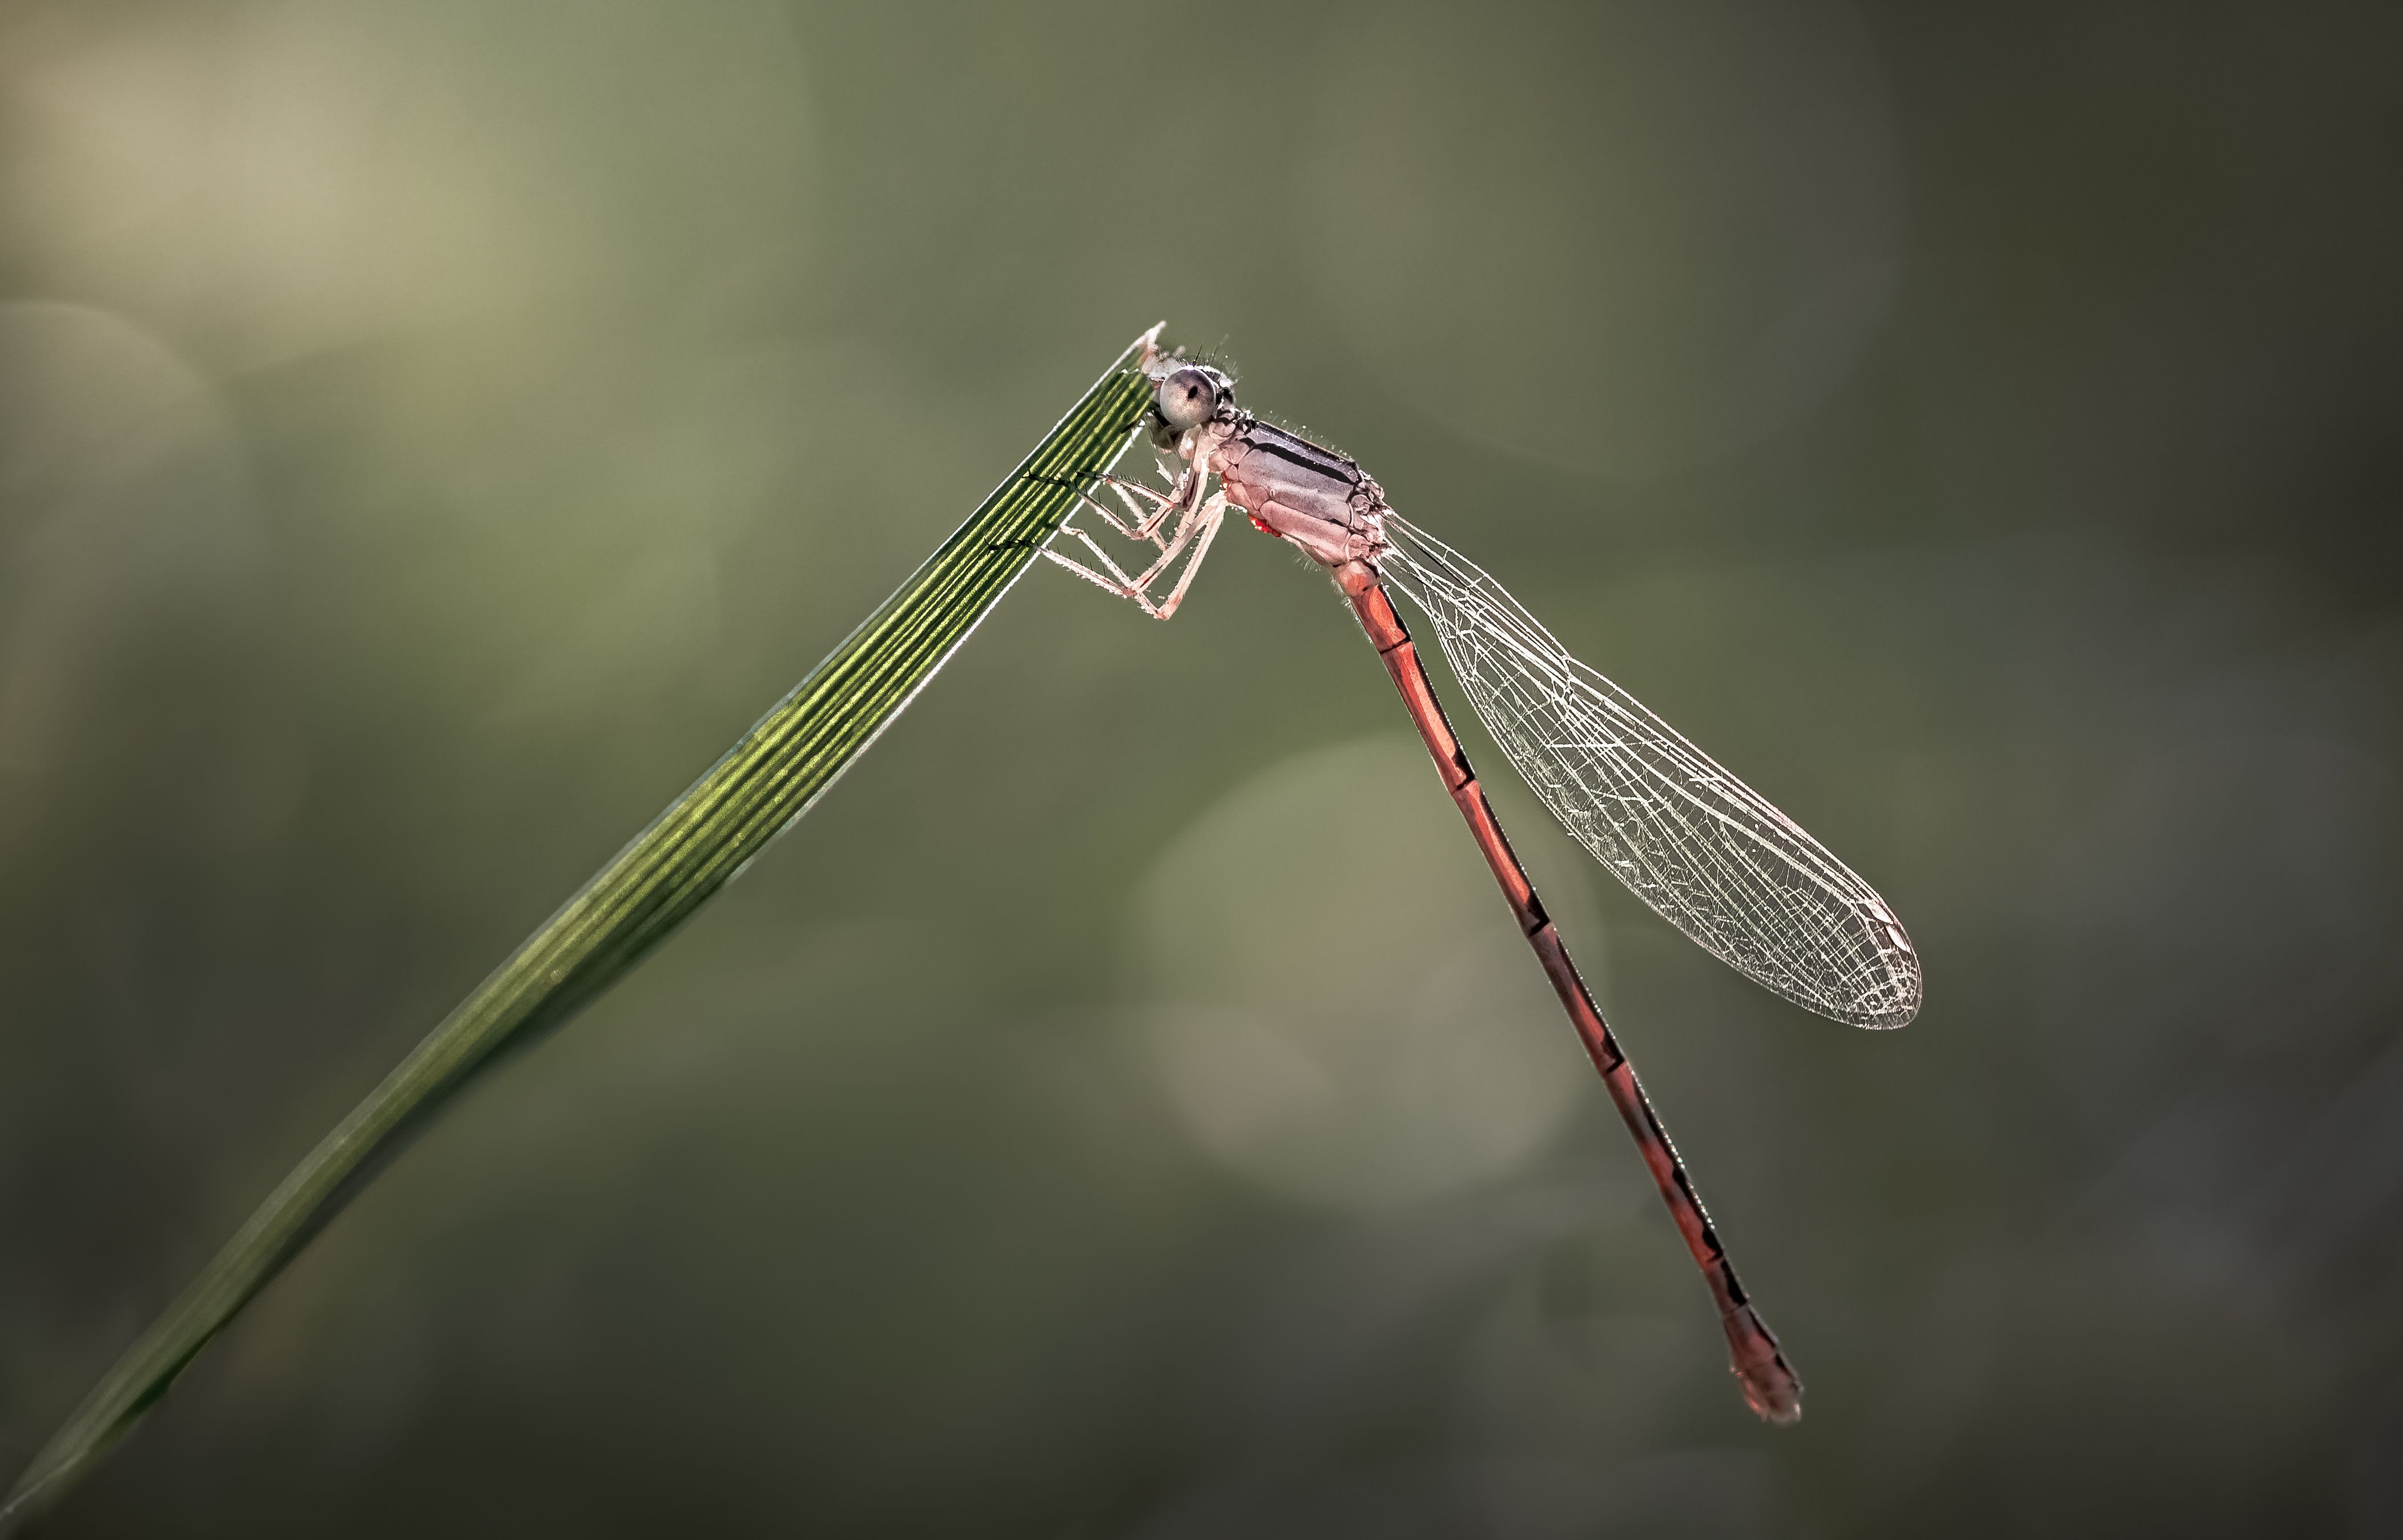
(1704,849)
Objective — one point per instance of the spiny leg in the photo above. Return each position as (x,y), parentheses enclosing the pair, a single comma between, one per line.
(1164,505)
(1126,490)
(1195,515)
(1188,487)
(1187,527)
(1116,582)
(1210,516)
(1142,524)
(1198,529)
(1131,531)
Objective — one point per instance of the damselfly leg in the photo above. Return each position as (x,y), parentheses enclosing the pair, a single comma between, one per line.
(1197,521)
(1195,530)
(1142,524)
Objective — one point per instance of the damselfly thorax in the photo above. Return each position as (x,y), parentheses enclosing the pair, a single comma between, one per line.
(1291,488)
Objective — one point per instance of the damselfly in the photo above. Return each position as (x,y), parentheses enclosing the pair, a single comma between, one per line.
(1711,855)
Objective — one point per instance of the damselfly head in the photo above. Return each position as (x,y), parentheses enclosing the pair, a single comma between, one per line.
(1190,395)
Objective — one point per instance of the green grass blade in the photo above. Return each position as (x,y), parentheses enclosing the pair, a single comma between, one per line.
(694,848)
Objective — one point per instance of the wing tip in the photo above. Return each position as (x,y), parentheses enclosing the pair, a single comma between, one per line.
(1895,1006)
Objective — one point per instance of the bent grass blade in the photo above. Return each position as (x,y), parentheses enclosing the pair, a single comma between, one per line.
(765,783)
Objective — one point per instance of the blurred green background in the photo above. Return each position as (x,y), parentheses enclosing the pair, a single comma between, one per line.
(429,433)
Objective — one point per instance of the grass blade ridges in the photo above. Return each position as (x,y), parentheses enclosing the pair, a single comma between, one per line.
(762,785)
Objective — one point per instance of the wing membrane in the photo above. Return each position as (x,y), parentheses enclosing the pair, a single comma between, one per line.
(1702,848)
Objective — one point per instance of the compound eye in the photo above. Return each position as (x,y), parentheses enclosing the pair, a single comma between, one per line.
(1186,398)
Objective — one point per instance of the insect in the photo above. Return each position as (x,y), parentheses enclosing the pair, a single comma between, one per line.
(1707,853)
